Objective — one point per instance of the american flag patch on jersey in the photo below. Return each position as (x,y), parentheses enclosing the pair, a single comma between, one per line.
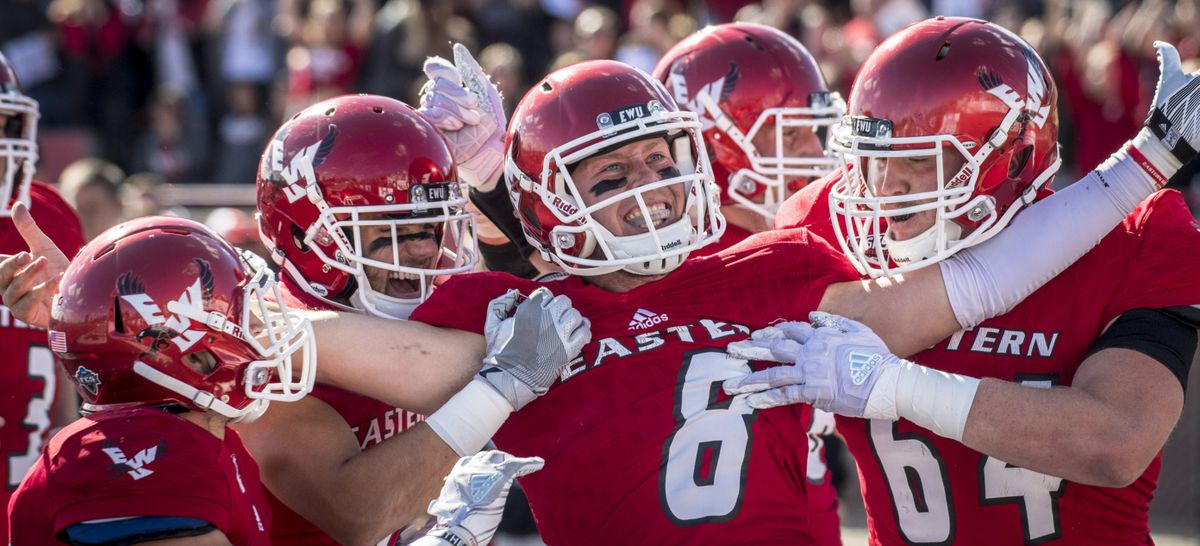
(58,341)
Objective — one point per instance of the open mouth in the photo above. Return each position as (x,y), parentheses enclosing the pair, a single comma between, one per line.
(403,285)
(660,215)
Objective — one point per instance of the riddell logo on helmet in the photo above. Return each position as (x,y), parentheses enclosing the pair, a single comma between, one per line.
(567,209)
(643,319)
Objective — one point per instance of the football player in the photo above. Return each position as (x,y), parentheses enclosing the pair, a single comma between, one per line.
(165,333)
(37,398)
(766,112)
(611,182)
(170,337)
(928,178)
(360,206)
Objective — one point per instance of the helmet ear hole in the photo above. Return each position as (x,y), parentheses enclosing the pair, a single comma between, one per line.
(1019,160)
(202,362)
(298,238)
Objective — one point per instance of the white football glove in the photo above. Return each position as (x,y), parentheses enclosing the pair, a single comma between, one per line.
(461,101)
(528,350)
(472,499)
(835,364)
(1172,133)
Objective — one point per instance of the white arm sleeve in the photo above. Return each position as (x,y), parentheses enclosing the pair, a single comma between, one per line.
(991,278)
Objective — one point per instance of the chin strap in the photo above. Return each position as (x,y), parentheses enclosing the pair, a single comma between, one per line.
(203,400)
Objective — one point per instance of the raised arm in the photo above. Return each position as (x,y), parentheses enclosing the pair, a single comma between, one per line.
(916,310)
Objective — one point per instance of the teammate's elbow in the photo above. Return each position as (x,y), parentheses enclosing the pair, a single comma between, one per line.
(1110,464)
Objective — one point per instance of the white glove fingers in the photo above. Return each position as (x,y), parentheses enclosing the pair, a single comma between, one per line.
(821,319)
(748,350)
(502,306)
(800,332)
(1168,60)
(776,397)
(477,80)
(438,67)
(579,337)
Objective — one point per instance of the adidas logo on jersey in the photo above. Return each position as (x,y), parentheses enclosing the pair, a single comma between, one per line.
(643,319)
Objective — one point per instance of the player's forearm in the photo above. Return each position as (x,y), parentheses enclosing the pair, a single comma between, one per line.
(384,488)
(406,363)
(909,312)
(1063,432)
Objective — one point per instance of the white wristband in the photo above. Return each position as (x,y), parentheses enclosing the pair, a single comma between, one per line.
(986,281)
(934,399)
(446,536)
(469,419)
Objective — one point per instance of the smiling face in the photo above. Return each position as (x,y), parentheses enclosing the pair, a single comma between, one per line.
(627,168)
(895,176)
(416,246)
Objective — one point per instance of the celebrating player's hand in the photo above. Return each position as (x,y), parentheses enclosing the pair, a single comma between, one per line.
(834,363)
(527,349)
(28,279)
(1172,134)
(465,105)
(472,500)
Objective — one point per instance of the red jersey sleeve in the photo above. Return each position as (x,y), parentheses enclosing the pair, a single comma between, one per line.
(136,463)
(460,302)
(1166,267)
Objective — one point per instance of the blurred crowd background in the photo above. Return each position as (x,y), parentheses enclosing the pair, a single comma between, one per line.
(155,106)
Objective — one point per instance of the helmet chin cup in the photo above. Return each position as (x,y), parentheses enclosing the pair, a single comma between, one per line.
(919,249)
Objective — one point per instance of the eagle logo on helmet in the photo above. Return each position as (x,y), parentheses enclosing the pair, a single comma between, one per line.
(298,175)
(718,90)
(1033,106)
(176,328)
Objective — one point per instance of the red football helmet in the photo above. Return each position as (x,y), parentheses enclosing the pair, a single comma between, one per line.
(352,162)
(741,79)
(162,311)
(586,109)
(18,144)
(944,86)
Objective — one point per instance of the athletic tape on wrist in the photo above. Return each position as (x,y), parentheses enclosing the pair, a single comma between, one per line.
(934,399)
(469,420)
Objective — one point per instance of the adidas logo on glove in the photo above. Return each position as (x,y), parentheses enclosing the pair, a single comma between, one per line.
(643,319)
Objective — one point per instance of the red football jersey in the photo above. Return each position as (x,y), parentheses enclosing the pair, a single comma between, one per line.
(371,421)
(27,371)
(824,525)
(641,444)
(140,461)
(922,488)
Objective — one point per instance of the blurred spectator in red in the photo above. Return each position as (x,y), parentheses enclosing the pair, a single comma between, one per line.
(106,76)
(328,41)
(91,186)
